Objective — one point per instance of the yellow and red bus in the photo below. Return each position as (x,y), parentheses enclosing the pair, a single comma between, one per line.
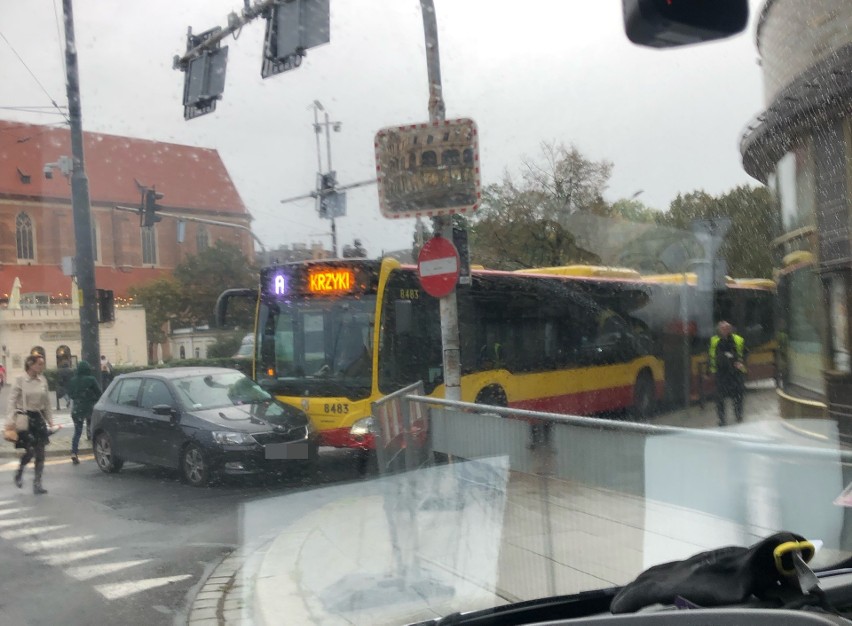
(333,336)
(682,318)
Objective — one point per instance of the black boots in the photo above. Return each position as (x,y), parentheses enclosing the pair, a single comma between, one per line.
(37,488)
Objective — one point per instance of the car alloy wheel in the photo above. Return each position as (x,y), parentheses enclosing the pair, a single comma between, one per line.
(195,469)
(104,454)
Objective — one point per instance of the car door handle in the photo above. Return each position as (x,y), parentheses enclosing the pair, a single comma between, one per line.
(138,421)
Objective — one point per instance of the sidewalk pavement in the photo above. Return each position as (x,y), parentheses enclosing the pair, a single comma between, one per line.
(60,441)
(424,544)
(362,560)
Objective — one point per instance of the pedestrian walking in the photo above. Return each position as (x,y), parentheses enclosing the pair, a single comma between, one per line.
(106,371)
(727,363)
(30,396)
(63,378)
(85,392)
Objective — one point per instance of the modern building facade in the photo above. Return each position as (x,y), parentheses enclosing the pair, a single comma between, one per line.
(800,146)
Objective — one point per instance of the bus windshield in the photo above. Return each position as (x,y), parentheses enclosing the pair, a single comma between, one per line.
(317,347)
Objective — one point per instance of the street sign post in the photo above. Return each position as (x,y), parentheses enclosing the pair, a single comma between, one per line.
(438,267)
(429,169)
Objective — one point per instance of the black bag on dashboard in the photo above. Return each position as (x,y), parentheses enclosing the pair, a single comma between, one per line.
(715,578)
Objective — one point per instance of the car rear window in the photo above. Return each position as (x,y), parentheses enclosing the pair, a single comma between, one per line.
(126,392)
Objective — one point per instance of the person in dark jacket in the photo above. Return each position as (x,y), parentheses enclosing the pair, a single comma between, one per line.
(85,392)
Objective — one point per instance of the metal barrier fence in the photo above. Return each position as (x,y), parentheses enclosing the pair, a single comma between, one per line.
(402,430)
(759,476)
(532,496)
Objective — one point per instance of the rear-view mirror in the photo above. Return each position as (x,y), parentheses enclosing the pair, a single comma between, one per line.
(671,23)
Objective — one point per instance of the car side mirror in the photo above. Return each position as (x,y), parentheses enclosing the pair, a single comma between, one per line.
(165,410)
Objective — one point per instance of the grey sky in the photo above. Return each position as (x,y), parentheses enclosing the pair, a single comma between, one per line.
(526,72)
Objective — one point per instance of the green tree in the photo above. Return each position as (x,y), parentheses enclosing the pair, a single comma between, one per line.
(525,223)
(747,244)
(633,210)
(162,299)
(226,345)
(205,275)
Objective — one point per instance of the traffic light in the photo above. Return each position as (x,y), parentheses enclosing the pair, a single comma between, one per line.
(327,184)
(149,215)
(106,305)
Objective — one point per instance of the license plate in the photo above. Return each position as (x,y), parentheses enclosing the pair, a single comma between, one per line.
(296,451)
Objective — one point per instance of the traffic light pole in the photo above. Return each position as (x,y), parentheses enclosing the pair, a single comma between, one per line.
(80,203)
(317,131)
(443,224)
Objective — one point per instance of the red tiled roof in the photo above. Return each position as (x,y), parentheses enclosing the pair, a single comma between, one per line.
(50,279)
(189,177)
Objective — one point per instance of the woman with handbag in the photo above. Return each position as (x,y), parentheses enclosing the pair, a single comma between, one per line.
(30,397)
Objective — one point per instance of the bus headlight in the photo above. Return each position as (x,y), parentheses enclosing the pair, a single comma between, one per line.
(230,438)
(363,427)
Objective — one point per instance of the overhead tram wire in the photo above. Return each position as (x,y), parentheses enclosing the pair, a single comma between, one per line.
(35,78)
(59,40)
(37,109)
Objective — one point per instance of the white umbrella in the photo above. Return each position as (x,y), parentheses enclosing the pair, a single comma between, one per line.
(75,294)
(15,297)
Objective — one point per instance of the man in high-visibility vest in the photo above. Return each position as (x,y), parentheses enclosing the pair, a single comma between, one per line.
(727,364)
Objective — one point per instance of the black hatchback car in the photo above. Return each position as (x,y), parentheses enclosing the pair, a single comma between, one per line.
(202,421)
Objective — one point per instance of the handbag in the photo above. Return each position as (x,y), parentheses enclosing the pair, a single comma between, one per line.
(9,432)
(18,422)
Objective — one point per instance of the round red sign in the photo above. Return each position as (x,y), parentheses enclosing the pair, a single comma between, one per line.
(438,267)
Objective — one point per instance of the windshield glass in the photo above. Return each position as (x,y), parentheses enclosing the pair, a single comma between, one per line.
(318,347)
(504,300)
(211,391)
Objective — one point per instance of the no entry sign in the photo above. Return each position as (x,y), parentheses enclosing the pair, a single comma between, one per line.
(438,267)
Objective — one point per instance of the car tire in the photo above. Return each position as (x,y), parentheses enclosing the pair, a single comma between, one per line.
(643,398)
(194,466)
(105,456)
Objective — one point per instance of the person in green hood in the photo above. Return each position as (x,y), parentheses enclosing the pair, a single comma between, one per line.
(84,391)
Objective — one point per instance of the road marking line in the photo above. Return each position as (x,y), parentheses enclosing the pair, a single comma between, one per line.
(26,532)
(47,544)
(85,572)
(69,557)
(113,591)
(10,511)
(5,502)
(5,523)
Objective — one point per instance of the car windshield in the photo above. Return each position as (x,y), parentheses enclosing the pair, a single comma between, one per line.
(455,304)
(213,391)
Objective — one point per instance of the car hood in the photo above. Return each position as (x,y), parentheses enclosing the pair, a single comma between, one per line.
(251,418)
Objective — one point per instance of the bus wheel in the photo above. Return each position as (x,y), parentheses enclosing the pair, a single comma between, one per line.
(492,395)
(643,398)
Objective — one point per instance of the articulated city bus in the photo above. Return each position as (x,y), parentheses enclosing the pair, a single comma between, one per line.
(682,317)
(334,336)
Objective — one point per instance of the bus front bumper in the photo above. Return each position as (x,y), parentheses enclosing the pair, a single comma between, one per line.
(343,438)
